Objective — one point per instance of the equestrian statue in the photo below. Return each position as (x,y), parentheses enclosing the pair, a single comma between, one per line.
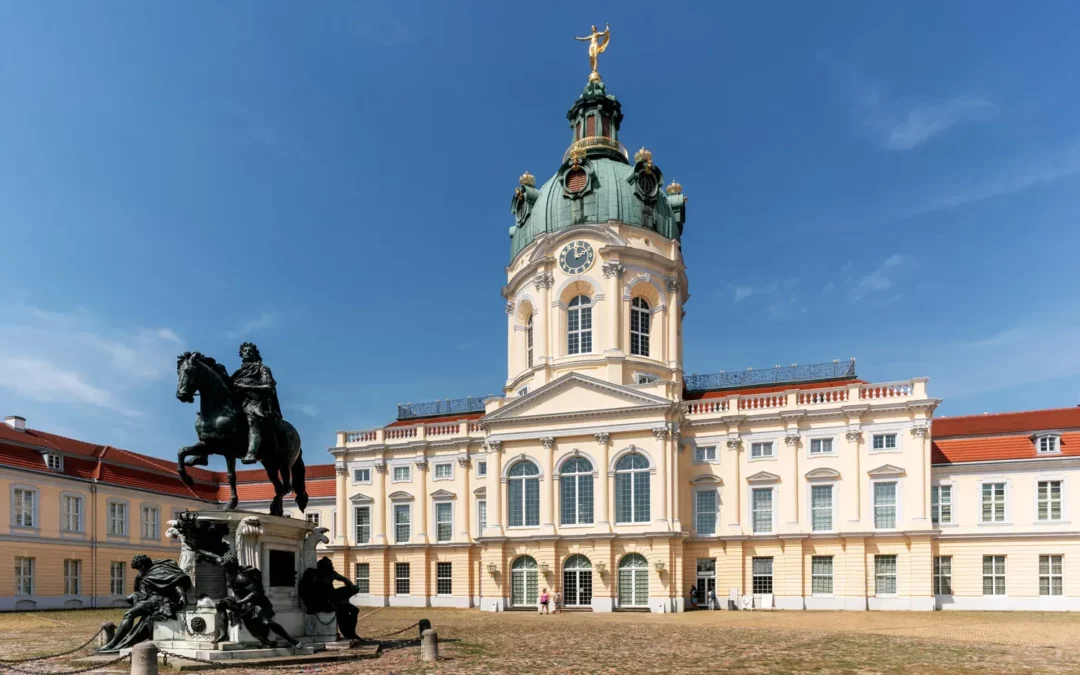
(239,416)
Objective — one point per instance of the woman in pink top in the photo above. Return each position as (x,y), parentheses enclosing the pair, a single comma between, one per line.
(544,602)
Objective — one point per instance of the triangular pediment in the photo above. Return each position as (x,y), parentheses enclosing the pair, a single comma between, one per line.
(361,499)
(763,477)
(822,473)
(400,496)
(885,471)
(575,394)
(443,494)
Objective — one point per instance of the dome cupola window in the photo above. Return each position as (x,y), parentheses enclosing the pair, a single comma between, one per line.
(647,178)
(524,198)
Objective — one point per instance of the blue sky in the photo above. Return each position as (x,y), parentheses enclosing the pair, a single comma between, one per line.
(892,182)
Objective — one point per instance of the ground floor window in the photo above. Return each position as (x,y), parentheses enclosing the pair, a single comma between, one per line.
(762,579)
(401,578)
(993,575)
(577,581)
(943,575)
(885,575)
(444,584)
(1051,577)
(72,569)
(116,577)
(821,575)
(363,578)
(24,576)
(523,581)
(633,581)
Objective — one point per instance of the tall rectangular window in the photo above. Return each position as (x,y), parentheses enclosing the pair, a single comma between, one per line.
(760,450)
(821,574)
(402,524)
(24,507)
(820,446)
(941,504)
(885,505)
(363,578)
(1051,575)
(884,442)
(707,508)
(885,574)
(444,521)
(762,579)
(481,515)
(639,327)
(761,502)
(118,519)
(363,524)
(444,578)
(993,502)
(1049,497)
(481,469)
(72,576)
(71,513)
(943,575)
(24,576)
(150,522)
(821,507)
(993,575)
(117,570)
(401,578)
(579,325)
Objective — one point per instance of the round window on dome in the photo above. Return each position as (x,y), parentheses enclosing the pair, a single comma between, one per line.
(647,184)
(576,180)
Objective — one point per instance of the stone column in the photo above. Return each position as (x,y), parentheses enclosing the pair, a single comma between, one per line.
(547,494)
(613,272)
(735,527)
(602,506)
(511,338)
(542,324)
(494,490)
(791,507)
(676,485)
(421,534)
(342,504)
(464,513)
(853,436)
(919,477)
(378,512)
(659,502)
(671,343)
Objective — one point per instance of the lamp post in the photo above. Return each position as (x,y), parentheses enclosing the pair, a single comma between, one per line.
(492,569)
(659,565)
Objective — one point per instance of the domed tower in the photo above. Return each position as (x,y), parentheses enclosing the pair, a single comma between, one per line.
(596,281)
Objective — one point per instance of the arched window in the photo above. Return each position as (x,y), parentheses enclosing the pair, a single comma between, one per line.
(523,495)
(632,489)
(529,340)
(576,496)
(523,581)
(639,327)
(633,581)
(577,581)
(579,326)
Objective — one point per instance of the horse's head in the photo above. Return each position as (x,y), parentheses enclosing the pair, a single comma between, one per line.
(187,376)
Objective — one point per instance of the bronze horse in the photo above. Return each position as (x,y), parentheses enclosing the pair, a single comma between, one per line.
(222,430)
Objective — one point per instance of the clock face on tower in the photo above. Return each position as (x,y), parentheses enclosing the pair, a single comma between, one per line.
(576,257)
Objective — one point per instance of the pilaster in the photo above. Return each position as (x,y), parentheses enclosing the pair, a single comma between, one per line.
(494,490)
(422,502)
(341,517)
(547,499)
(603,524)
(378,515)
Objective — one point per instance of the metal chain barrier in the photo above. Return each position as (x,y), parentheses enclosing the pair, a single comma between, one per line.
(243,664)
(97,666)
(3,662)
(398,632)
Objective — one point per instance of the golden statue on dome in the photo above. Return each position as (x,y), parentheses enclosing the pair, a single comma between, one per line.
(596,48)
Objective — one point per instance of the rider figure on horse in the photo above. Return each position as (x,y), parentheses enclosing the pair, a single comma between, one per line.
(256,393)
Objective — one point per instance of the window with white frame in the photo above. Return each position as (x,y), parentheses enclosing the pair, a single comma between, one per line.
(993,575)
(116,577)
(761,510)
(481,515)
(883,442)
(150,517)
(481,468)
(820,446)
(72,576)
(943,575)
(761,450)
(71,513)
(576,492)
(444,521)
(529,341)
(1048,445)
(762,575)
(313,518)
(523,494)
(639,327)
(885,505)
(363,578)
(579,325)
(885,575)
(993,502)
(821,508)
(25,501)
(24,576)
(632,489)
(402,474)
(401,578)
(402,523)
(444,470)
(118,519)
(821,574)
(363,523)
(941,504)
(705,454)
(1049,500)
(361,475)
(54,462)
(444,578)
(708,505)
(1051,575)
(645,378)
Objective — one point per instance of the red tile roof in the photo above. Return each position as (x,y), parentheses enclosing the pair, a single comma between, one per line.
(788,386)
(982,438)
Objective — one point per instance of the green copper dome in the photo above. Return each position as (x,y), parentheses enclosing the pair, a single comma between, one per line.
(596,182)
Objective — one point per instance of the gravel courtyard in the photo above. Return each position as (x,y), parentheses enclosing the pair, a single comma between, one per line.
(697,642)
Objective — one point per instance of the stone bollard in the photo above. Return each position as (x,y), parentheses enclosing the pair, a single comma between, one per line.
(429,647)
(423,625)
(144,659)
(108,631)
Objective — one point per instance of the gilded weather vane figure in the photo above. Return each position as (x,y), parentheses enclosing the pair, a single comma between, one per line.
(596,48)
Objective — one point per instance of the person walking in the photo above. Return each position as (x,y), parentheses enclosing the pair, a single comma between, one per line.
(544,600)
(556,600)
(693,597)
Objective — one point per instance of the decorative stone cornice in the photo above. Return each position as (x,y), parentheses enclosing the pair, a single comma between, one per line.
(853,435)
(548,442)
(660,432)
(494,446)
(672,285)
(421,464)
(734,443)
(543,280)
(380,467)
(920,431)
(611,269)
(340,470)
(464,462)
(602,437)
(791,439)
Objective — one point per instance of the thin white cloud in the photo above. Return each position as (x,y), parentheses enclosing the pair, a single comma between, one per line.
(829,288)
(250,326)
(309,410)
(743,292)
(780,299)
(880,279)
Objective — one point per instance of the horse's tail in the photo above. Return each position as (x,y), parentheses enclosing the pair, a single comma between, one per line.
(299,486)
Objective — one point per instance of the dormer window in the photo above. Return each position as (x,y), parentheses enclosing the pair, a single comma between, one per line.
(1050,444)
(54,462)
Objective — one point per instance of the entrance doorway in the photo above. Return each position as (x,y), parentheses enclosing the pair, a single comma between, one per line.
(523,582)
(706,580)
(577,582)
(633,581)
